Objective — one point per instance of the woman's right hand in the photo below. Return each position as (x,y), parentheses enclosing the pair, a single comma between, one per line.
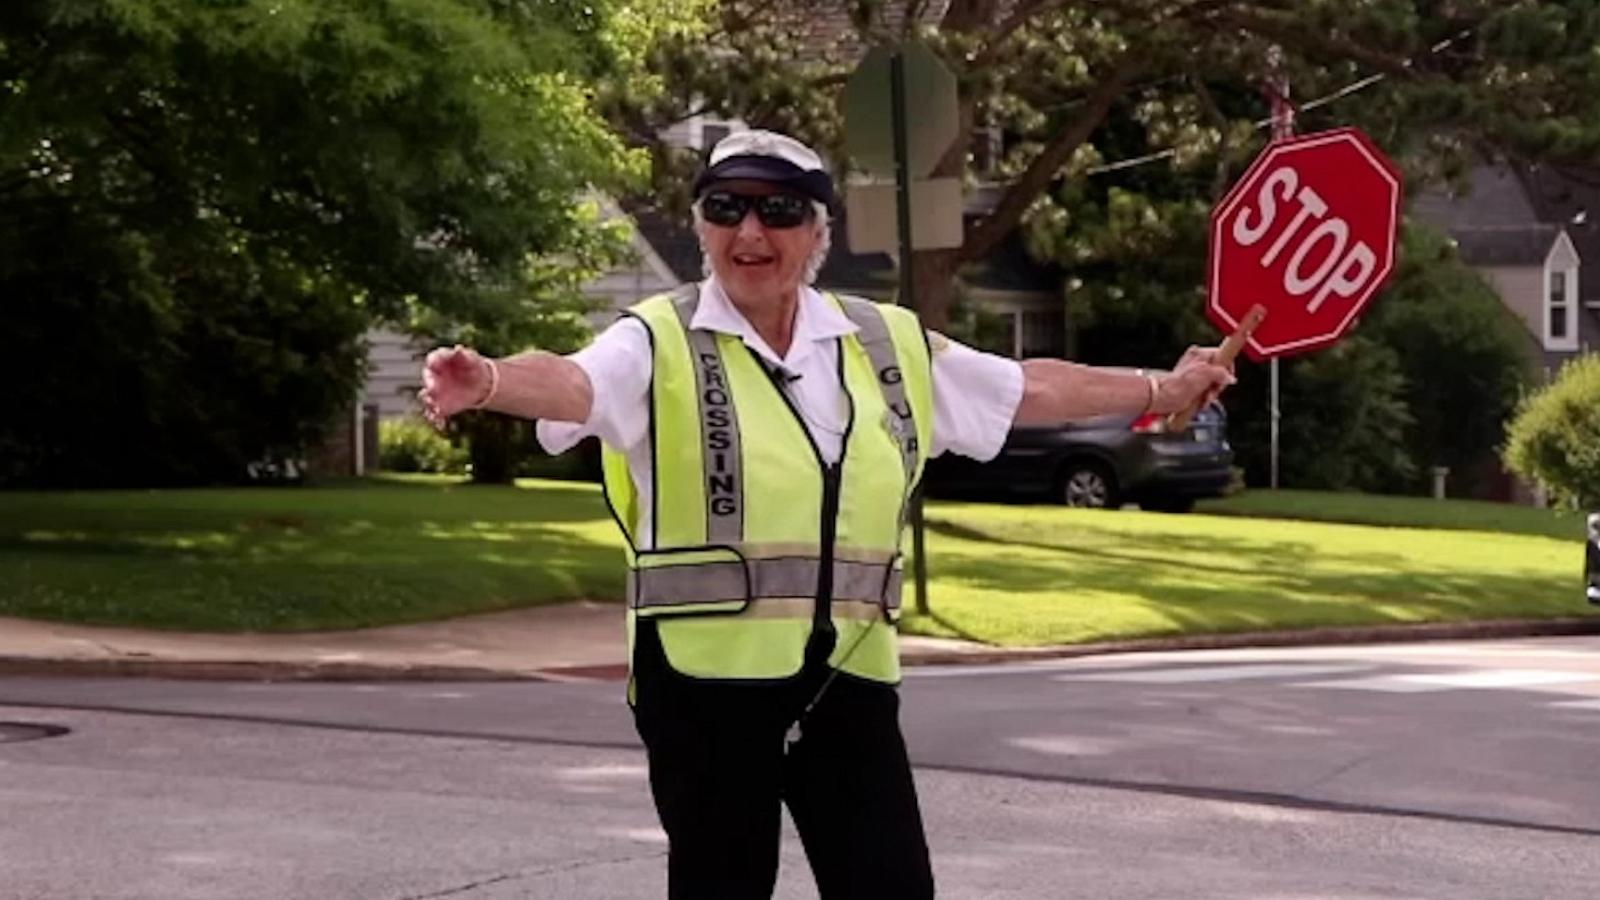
(453,379)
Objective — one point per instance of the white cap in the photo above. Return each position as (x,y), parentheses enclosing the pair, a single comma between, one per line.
(757,155)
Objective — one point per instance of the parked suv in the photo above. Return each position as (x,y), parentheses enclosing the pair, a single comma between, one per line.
(1100,462)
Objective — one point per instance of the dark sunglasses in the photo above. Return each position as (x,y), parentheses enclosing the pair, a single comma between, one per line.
(772,210)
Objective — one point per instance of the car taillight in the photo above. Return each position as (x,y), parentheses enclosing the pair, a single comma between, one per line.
(1149,423)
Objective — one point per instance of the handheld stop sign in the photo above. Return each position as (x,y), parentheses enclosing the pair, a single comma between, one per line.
(1301,245)
(1308,234)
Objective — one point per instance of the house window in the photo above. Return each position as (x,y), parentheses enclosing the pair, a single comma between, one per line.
(1560,306)
(712,132)
(1562,309)
(986,151)
(1042,333)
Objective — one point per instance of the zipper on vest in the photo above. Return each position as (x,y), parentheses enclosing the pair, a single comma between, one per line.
(821,618)
(832,480)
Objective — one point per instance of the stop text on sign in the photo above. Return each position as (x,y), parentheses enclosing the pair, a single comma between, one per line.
(1308,233)
(1323,259)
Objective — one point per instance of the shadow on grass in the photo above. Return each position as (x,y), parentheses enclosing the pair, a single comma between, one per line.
(967,533)
(954,629)
(1271,584)
(305,582)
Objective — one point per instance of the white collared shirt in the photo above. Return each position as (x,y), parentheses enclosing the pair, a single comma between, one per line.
(975,395)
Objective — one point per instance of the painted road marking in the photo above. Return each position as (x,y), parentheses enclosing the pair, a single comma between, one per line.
(1484,679)
(1204,674)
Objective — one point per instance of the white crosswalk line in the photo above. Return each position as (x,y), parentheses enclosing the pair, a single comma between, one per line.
(1483,679)
(1206,674)
(1578,704)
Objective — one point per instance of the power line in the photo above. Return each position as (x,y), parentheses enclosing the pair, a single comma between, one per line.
(1339,94)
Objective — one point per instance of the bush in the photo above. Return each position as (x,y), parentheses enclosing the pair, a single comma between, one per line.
(1555,437)
(581,463)
(1344,419)
(1465,359)
(411,445)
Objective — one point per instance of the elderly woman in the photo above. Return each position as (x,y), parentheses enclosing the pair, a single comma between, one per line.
(762,440)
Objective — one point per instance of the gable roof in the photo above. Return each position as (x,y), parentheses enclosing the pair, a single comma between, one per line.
(1510,215)
(1493,197)
(1510,245)
(1570,197)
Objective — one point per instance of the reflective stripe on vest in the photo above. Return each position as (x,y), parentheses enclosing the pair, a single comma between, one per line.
(738,567)
(875,339)
(719,429)
(682,585)
(679,585)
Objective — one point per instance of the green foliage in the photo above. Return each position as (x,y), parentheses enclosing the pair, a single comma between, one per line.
(1397,512)
(1555,437)
(1344,419)
(1073,86)
(1043,575)
(365,553)
(1428,379)
(1465,357)
(203,205)
(382,552)
(412,445)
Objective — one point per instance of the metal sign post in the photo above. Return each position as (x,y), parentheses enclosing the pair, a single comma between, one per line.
(879,89)
(1591,561)
(1282,129)
(902,179)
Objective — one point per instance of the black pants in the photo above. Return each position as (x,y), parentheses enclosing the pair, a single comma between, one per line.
(719,772)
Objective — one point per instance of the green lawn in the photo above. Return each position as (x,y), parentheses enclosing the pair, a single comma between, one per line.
(395,550)
(1414,512)
(1018,575)
(368,553)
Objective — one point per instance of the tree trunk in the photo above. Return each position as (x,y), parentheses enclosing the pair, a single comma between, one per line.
(491,442)
(933,275)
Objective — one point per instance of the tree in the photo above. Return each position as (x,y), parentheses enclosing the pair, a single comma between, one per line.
(1344,421)
(1555,438)
(203,205)
(1465,358)
(1077,84)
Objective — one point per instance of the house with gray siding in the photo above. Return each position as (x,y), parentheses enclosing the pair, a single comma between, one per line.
(1529,230)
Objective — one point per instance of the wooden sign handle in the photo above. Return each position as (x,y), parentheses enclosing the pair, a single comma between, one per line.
(1230,348)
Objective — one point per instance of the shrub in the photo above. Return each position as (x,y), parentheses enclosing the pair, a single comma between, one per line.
(1555,437)
(411,445)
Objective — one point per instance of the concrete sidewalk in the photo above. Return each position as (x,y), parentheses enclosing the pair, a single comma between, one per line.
(572,640)
(569,641)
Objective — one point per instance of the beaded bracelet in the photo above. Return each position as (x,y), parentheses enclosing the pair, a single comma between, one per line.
(494,385)
(1154,385)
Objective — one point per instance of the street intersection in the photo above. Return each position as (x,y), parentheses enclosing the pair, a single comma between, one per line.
(1459,770)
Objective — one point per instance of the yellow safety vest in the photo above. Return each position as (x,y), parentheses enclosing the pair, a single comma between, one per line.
(757,542)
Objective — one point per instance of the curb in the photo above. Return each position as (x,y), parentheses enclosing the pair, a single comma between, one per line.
(1307,637)
(977,655)
(252,670)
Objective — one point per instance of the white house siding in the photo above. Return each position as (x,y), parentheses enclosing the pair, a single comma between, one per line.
(394,360)
(620,288)
(393,373)
(1562,254)
(1521,288)
(684,133)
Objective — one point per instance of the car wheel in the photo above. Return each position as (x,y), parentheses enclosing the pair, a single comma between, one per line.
(1168,504)
(1089,485)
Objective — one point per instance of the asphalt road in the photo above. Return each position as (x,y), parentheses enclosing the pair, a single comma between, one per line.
(1417,771)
